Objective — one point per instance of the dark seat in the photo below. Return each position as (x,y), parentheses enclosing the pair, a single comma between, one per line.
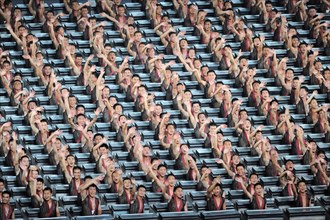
(179,215)
(146,216)
(225,214)
(263,214)
(309,213)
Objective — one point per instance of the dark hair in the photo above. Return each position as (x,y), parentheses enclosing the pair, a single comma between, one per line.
(92,185)
(24,156)
(6,192)
(98,134)
(104,145)
(258,184)
(77,168)
(253,174)
(88,177)
(240,165)
(48,189)
(177,187)
(161,165)
(140,186)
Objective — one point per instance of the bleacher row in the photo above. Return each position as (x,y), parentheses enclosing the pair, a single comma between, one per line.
(279,207)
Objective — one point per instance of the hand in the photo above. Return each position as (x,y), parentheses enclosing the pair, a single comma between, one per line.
(315,92)
(32,93)
(260,127)
(14,135)
(217,179)
(6,124)
(58,132)
(269,99)
(223,126)
(26,56)
(100,178)
(172,62)
(239,179)
(8,27)
(104,140)
(90,57)
(199,27)
(219,161)
(97,112)
(262,38)
(40,109)
(65,93)
(320,16)
(79,127)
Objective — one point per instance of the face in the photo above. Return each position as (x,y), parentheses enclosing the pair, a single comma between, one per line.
(201,118)
(162,171)
(32,105)
(72,101)
(34,174)
(265,94)
(81,120)
(219,137)
(171,180)
(235,159)
(256,42)
(184,149)
(40,185)
(80,110)
(247,126)
(183,44)
(106,92)
(289,166)
(295,42)
(78,61)
(58,144)
(138,37)
(254,179)
(17,86)
(127,184)
(318,66)
(116,177)
(289,75)
(97,139)
(170,129)
(5,199)
(302,93)
(178,193)
(92,191)
(47,195)
(302,187)
(142,192)
(243,115)
(2,186)
(118,109)
(103,150)
(76,173)
(274,155)
(240,171)
(207,26)
(25,162)
(259,190)
(71,161)
(146,151)
(303,48)
(217,191)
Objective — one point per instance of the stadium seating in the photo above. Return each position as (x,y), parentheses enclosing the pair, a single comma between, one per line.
(279,207)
